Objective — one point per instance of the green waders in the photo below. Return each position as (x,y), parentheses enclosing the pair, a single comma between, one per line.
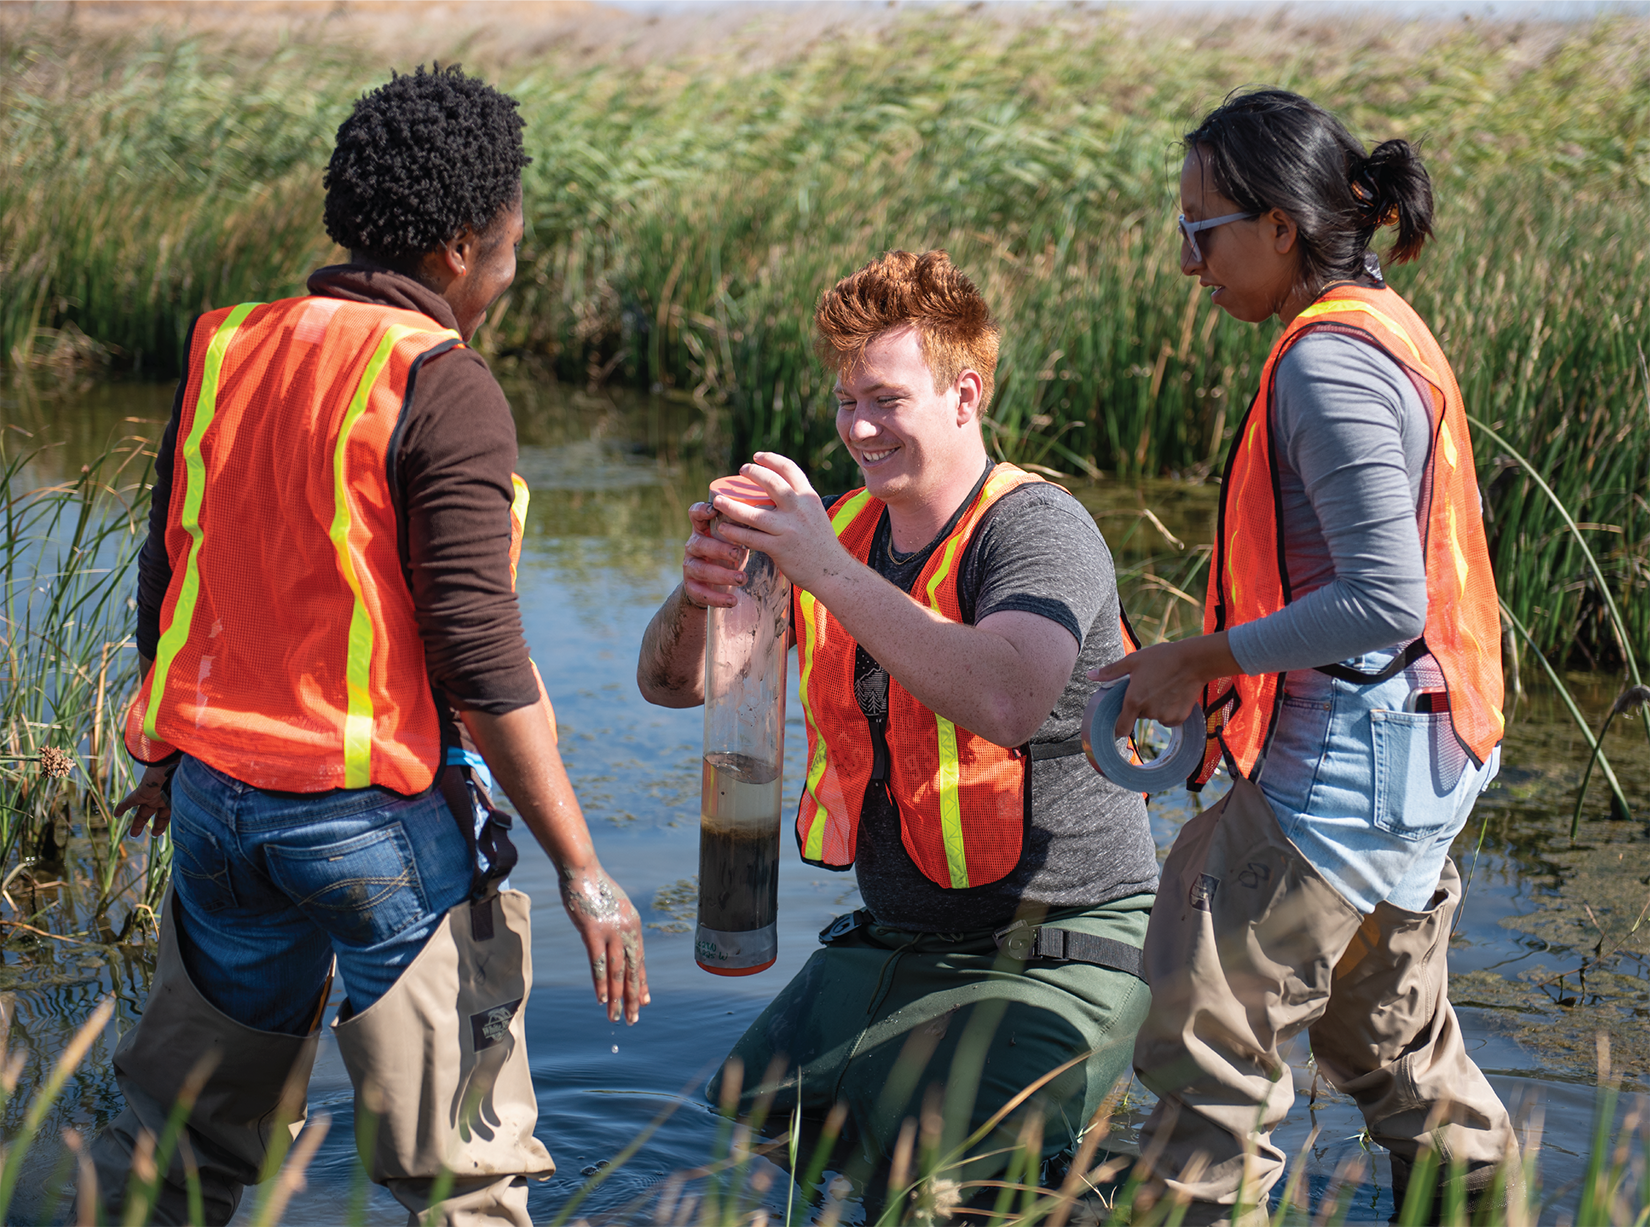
(881,1015)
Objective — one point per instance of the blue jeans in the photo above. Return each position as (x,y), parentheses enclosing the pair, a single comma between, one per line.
(1371,793)
(271,886)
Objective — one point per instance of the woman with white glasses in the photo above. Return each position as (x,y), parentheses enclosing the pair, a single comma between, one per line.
(1351,673)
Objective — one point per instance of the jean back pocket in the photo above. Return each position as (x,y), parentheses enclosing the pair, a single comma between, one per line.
(200,867)
(1418,769)
(362,891)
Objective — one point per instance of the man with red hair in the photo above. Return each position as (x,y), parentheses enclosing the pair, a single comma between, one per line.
(945,615)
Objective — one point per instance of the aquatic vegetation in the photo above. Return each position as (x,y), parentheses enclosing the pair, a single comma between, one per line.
(66,666)
(919,1185)
(683,216)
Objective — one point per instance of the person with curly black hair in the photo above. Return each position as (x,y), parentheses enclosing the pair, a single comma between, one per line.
(334,674)
(419,160)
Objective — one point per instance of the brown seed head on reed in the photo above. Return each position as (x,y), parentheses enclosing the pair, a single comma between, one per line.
(55,764)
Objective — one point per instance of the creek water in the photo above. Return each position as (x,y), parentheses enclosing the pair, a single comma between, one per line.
(611,481)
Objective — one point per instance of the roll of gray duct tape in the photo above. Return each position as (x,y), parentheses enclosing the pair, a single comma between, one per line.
(1109,755)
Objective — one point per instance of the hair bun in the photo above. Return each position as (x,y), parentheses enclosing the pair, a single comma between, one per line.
(1379,209)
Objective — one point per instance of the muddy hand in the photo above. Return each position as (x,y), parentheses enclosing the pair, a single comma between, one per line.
(612,932)
(150,799)
(711,567)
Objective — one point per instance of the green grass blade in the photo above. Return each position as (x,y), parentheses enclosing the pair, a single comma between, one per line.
(75,1051)
(1569,702)
(1624,641)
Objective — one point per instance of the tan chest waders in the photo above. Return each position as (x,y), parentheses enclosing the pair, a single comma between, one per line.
(1248,946)
(256,1086)
(440,1069)
(438,1063)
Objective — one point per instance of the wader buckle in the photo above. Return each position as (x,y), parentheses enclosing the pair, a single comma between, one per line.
(843,925)
(1018,940)
(1025,941)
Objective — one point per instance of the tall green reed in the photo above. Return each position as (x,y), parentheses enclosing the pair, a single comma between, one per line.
(685,214)
(145,181)
(66,554)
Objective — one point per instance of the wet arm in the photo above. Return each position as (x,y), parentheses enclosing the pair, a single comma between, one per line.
(670,669)
(520,750)
(454,470)
(998,679)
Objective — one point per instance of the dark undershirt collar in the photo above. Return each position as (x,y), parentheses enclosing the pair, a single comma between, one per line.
(370,283)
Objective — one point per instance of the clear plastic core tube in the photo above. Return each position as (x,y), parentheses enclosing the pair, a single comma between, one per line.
(741,782)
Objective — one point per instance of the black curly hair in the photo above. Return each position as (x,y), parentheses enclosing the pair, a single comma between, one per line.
(419,159)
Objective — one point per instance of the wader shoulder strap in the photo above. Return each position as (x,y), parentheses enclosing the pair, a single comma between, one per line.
(843,925)
(1395,666)
(491,843)
(1027,942)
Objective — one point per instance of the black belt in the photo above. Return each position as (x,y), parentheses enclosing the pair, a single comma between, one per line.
(1026,942)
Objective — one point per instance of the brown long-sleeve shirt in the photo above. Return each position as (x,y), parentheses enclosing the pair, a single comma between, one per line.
(451,461)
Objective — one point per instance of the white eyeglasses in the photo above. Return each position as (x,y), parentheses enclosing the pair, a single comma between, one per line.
(1188,230)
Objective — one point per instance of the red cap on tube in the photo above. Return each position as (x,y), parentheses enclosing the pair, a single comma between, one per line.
(741,489)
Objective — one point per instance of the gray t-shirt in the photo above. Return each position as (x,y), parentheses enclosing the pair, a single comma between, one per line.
(1351,434)
(1038,551)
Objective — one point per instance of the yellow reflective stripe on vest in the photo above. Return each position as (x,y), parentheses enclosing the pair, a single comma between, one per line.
(518,522)
(956,854)
(850,509)
(194,490)
(815,844)
(358,668)
(1331,306)
(1232,574)
(807,604)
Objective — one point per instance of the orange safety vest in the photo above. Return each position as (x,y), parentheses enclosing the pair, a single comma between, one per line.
(518,529)
(962,800)
(1247,579)
(289,656)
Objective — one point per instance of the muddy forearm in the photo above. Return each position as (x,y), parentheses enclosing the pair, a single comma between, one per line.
(520,750)
(670,670)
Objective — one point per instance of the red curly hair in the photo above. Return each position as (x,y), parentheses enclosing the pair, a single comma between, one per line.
(927,291)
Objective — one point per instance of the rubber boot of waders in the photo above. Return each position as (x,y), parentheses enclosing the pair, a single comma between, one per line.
(256,1085)
(1391,1040)
(1240,951)
(1479,1188)
(439,1065)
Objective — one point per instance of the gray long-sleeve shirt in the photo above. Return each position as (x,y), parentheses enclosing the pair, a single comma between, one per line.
(1351,434)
